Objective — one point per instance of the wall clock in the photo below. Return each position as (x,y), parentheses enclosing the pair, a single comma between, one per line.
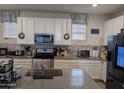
(21,35)
(66,36)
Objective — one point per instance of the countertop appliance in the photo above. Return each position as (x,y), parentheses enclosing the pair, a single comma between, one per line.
(20,52)
(3,51)
(115,64)
(55,51)
(44,38)
(83,53)
(28,50)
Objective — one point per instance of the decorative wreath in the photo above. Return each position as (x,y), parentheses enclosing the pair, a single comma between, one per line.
(21,35)
(66,36)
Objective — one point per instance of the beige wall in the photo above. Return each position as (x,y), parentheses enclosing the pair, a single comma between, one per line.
(2,39)
(95,21)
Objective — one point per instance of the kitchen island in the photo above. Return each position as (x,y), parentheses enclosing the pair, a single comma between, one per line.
(71,79)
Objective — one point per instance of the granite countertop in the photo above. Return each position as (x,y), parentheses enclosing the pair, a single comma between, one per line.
(18,57)
(68,57)
(71,79)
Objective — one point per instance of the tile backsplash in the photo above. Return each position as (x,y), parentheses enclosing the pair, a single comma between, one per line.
(17,47)
(62,50)
(72,50)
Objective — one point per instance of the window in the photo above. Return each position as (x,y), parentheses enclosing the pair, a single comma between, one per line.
(79,31)
(79,21)
(10,30)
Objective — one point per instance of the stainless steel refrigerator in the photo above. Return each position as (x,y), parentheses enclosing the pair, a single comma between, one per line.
(115,63)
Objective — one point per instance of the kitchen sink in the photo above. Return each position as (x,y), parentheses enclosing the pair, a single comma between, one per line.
(46,73)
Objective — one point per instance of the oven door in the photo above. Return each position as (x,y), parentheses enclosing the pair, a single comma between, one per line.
(44,56)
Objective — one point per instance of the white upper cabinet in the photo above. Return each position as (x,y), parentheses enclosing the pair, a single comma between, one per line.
(25,25)
(57,27)
(30,30)
(39,25)
(49,25)
(58,31)
(67,30)
(113,26)
(44,25)
(108,30)
(62,27)
(118,23)
(20,30)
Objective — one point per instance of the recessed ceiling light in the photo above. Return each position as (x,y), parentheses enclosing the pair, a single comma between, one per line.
(94,5)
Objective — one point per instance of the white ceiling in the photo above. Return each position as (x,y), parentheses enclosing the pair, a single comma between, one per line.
(70,8)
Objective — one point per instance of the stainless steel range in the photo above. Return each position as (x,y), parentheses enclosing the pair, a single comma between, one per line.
(43,53)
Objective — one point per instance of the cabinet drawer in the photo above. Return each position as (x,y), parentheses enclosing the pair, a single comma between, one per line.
(65,65)
(89,61)
(62,67)
(65,61)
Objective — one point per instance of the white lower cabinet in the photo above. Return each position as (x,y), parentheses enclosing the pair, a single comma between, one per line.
(92,67)
(64,64)
(25,63)
(104,70)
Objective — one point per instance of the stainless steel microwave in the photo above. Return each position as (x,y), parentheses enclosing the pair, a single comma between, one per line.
(44,38)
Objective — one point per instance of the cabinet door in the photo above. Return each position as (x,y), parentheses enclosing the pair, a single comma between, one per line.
(58,31)
(108,30)
(85,67)
(92,67)
(104,64)
(118,24)
(44,25)
(40,25)
(95,71)
(49,26)
(20,30)
(110,27)
(65,64)
(67,30)
(28,29)
(26,26)
(113,26)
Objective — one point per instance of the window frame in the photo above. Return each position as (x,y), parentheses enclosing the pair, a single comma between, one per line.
(12,36)
(78,33)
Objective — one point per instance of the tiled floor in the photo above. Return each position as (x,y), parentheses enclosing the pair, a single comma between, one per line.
(23,81)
